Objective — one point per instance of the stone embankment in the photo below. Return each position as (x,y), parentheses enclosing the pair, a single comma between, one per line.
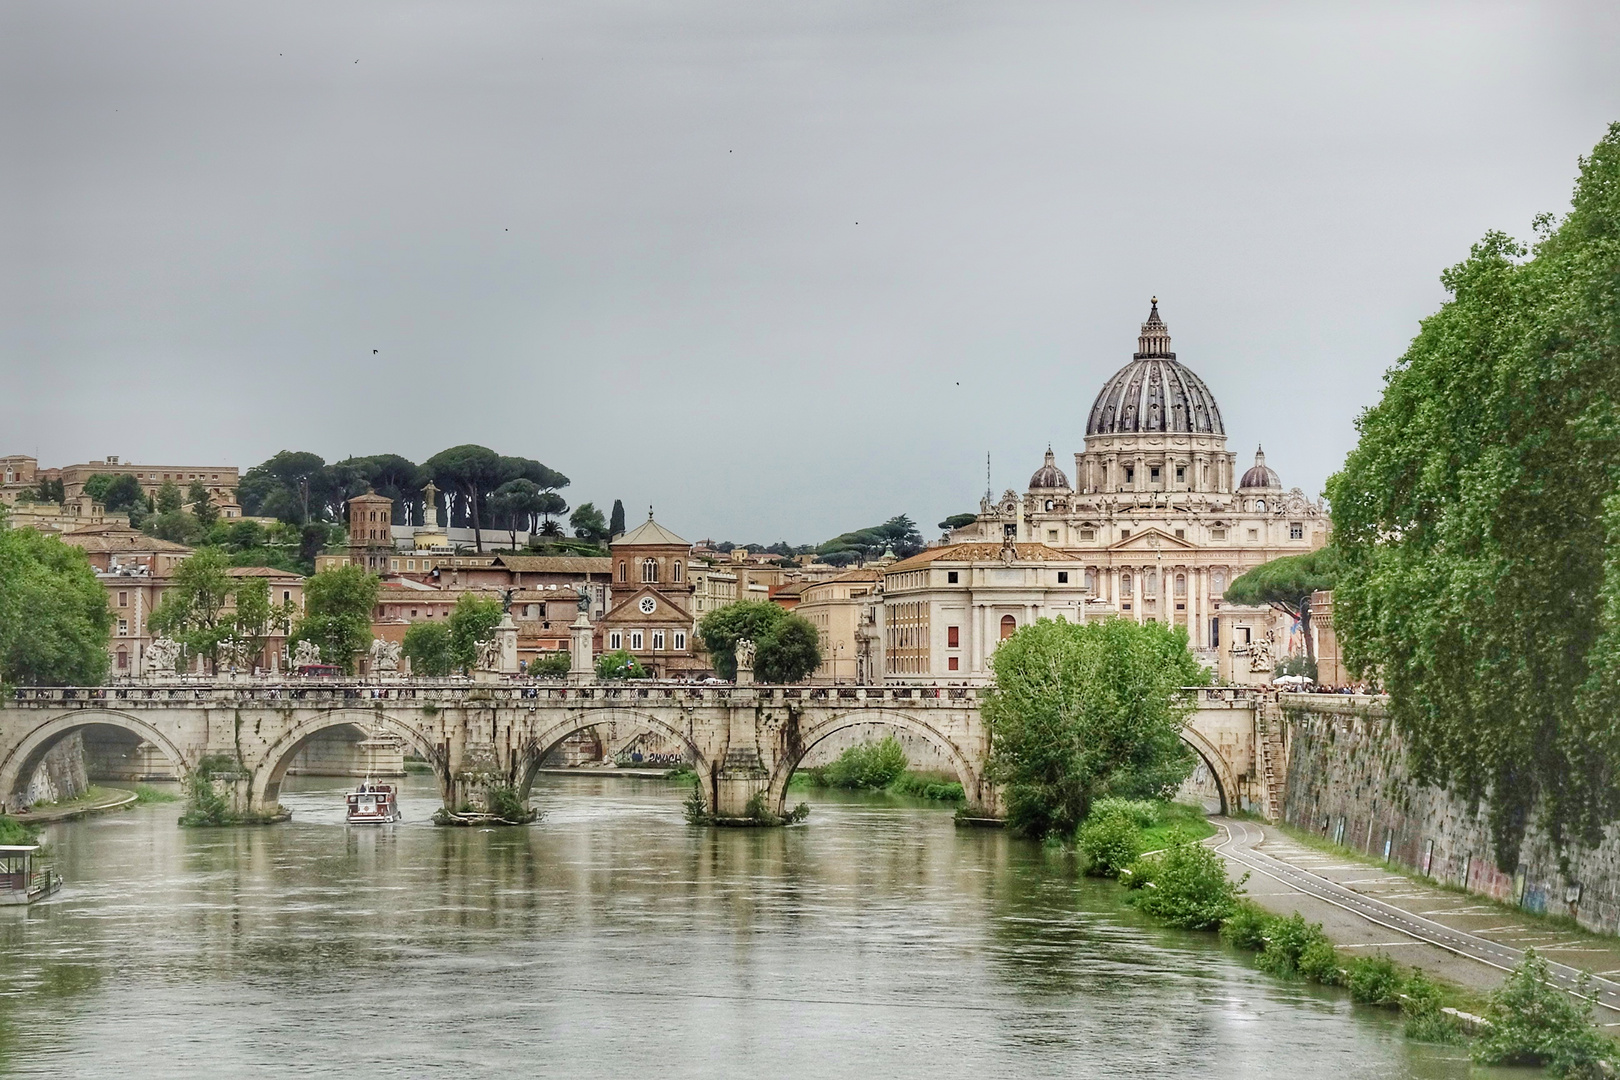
(1348,781)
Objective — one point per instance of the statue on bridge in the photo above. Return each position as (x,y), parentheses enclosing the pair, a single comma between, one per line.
(489,654)
(306,653)
(162,655)
(384,655)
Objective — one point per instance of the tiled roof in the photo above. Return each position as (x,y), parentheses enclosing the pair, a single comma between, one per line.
(556,564)
(650,533)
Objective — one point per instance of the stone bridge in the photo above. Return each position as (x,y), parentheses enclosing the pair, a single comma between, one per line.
(743,741)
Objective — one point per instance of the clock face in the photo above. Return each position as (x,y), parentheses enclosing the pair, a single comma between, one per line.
(648,605)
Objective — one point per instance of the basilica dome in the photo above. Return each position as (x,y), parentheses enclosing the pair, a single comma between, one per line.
(1049,477)
(1154,393)
(1261,475)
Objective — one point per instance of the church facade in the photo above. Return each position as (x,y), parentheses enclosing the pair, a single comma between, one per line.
(1158,513)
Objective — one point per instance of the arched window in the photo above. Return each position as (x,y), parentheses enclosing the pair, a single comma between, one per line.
(649,570)
(622,571)
(1124,584)
(675,571)
(1181,584)
(1091,580)
(1049,504)
(1009,627)
(1150,583)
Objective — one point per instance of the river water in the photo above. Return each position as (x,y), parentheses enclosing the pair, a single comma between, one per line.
(613,940)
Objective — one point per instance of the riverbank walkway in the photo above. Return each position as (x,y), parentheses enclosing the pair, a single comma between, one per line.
(1364,908)
(104,800)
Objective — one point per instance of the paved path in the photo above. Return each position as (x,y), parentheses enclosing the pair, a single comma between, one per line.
(1422,925)
(115,799)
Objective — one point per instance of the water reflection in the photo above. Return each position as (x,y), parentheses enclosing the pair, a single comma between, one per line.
(612,939)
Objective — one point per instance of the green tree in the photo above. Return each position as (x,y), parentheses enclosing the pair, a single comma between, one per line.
(472,620)
(282,486)
(787,647)
(255,618)
(899,534)
(54,619)
(96,486)
(427,646)
(588,523)
(1478,520)
(202,506)
(471,472)
(1286,584)
(169,500)
(616,523)
(192,610)
(123,493)
(956,521)
(619,664)
(1534,1022)
(338,605)
(1080,711)
(519,502)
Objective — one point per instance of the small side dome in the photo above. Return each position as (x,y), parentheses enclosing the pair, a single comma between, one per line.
(1049,477)
(1261,475)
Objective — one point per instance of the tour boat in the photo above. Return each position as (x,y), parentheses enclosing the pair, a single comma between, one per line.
(20,881)
(373,804)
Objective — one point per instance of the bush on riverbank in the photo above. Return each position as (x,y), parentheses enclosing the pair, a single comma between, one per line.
(927,787)
(1422,1004)
(1533,1022)
(865,766)
(13,831)
(146,793)
(1186,886)
(1286,943)
(1118,831)
(1109,842)
(1375,980)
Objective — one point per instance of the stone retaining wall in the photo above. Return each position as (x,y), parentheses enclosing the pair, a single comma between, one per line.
(61,775)
(1348,782)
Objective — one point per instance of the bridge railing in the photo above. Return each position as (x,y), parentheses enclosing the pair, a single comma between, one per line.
(461,692)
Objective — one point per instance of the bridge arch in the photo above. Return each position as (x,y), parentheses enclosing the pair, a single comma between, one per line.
(272,768)
(19,766)
(546,739)
(809,736)
(1219,769)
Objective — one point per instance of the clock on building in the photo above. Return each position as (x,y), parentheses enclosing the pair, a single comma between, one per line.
(648,605)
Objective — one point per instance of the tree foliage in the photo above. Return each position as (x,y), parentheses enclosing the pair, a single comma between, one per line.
(616,523)
(898,533)
(956,521)
(787,646)
(588,523)
(192,611)
(472,620)
(427,646)
(54,619)
(338,603)
(1287,584)
(1479,523)
(620,664)
(1081,711)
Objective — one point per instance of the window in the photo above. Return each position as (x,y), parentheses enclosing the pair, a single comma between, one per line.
(951,577)
(635,640)
(1009,627)
(1181,534)
(123,628)
(123,599)
(680,640)
(123,660)
(658,639)
(1296,530)
(675,571)
(952,663)
(393,564)
(649,570)
(1050,504)
(953,637)
(1063,577)
(286,596)
(1218,584)
(413,613)
(622,570)
(1130,475)
(1181,474)
(1124,534)
(1254,534)
(1125,585)
(1150,583)
(615,640)
(1088,534)
(1217,534)
(1051,534)
(1181,584)
(1153,474)
(1091,580)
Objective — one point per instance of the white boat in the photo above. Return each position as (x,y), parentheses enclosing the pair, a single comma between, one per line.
(21,882)
(373,804)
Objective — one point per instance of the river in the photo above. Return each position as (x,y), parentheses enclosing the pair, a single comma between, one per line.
(611,939)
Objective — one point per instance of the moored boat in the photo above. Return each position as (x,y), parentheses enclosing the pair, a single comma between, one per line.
(373,804)
(21,882)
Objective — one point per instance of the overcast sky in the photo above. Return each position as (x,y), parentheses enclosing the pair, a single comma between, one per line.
(781,269)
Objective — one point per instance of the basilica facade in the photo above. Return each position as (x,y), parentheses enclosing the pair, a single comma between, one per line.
(1158,513)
